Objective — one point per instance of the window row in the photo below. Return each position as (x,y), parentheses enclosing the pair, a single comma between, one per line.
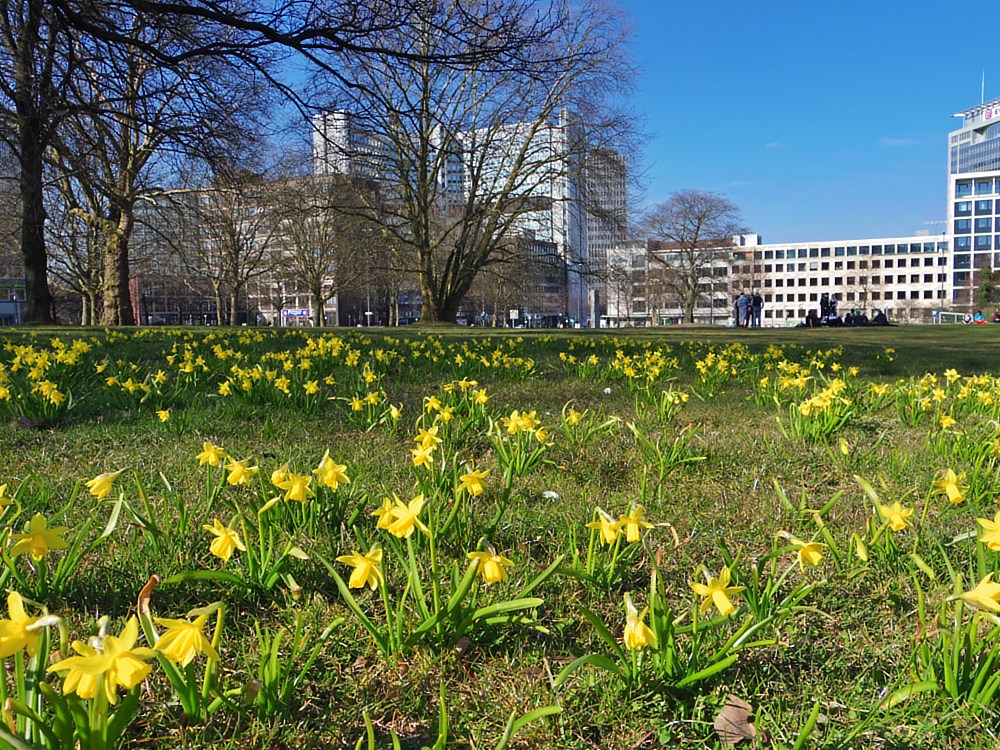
(913,278)
(861,296)
(851,250)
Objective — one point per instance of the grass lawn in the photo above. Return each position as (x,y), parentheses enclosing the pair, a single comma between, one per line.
(656,538)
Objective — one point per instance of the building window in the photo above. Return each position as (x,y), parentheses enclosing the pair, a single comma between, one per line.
(984,225)
(964,208)
(963,243)
(901,279)
(852,250)
(802,282)
(838,265)
(825,251)
(850,265)
(963,226)
(984,208)
(876,296)
(825,265)
(928,261)
(839,252)
(813,281)
(850,296)
(963,189)
(984,187)
(928,278)
(802,267)
(962,261)
(984,241)
(876,279)
(813,297)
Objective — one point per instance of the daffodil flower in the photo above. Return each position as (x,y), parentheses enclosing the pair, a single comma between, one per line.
(607,526)
(950,484)
(985,596)
(637,633)
(211,455)
(717,592)
(296,487)
(226,540)
(405,517)
(20,631)
(331,474)
(183,640)
(472,482)
(118,662)
(895,515)
(809,553)
(39,540)
(633,524)
(367,568)
(101,485)
(240,472)
(492,567)
(991,532)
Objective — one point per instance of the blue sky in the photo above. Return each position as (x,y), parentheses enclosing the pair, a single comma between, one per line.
(819,120)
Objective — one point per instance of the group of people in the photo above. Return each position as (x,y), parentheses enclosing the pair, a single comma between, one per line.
(979,319)
(747,310)
(829,316)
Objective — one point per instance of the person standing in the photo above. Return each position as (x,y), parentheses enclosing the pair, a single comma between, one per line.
(743,309)
(756,307)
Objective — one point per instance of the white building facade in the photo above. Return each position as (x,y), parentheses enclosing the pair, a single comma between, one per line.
(974,198)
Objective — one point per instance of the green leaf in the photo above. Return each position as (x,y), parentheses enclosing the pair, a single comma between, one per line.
(704,674)
(600,661)
(508,606)
(205,575)
(516,725)
(603,632)
(905,693)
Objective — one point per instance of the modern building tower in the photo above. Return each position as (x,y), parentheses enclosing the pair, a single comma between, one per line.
(974,198)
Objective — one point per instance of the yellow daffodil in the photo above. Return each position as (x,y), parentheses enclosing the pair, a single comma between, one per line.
(405,517)
(895,515)
(331,474)
(101,485)
(226,540)
(633,524)
(991,532)
(607,526)
(279,475)
(384,513)
(296,487)
(428,437)
(637,634)
(492,567)
(423,456)
(240,472)
(472,482)
(117,663)
(19,630)
(367,568)
(183,640)
(717,592)
(211,455)
(163,415)
(985,596)
(573,417)
(950,484)
(947,421)
(39,539)
(809,553)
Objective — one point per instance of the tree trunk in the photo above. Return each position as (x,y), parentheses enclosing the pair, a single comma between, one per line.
(318,317)
(117,310)
(39,298)
(32,140)
(234,296)
(219,320)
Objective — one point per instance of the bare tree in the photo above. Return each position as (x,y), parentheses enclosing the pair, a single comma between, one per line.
(327,232)
(474,155)
(224,236)
(697,228)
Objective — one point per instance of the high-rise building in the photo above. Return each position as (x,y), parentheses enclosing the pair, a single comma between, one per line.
(568,191)
(974,198)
